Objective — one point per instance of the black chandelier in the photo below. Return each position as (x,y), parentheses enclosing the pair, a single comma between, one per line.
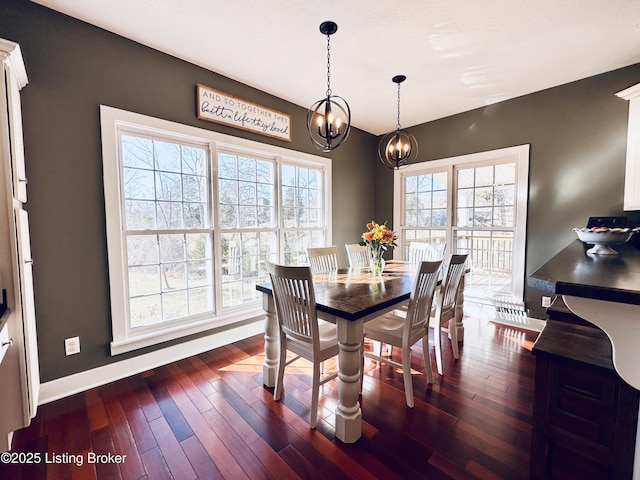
(329,119)
(398,148)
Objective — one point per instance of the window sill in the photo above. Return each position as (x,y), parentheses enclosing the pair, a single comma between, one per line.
(146,339)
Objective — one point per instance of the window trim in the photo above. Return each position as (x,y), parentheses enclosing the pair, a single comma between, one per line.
(113,119)
(518,154)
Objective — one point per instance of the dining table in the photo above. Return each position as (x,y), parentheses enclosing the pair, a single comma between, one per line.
(348,297)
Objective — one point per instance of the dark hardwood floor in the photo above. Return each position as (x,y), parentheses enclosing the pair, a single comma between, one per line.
(209,416)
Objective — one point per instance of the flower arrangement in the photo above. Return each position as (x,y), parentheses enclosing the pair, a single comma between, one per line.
(378,238)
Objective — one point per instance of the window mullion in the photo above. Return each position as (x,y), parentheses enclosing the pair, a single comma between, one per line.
(215,227)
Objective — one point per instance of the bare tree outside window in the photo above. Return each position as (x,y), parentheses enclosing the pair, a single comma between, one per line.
(165,193)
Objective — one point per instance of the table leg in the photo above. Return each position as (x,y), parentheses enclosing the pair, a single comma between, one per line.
(458,314)
(348,412)
(271,342)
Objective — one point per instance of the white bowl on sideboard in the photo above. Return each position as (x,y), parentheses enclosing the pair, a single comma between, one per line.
(603,238)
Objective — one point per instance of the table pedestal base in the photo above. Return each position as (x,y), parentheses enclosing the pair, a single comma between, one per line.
(348,412)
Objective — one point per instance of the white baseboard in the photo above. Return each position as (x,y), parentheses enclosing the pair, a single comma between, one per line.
(80,382)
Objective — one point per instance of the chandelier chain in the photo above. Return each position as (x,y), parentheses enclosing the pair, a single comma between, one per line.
(328,65)
(398,123)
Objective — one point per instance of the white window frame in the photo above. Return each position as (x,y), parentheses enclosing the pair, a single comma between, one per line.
(519,155)
(112,120)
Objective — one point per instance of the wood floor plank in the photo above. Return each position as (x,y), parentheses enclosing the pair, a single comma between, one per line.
(299,464)
(209,416)
(209,439)
(200,460)
(85,471)
(155,465)
(142,434)
(190,388)
(272,461)
(265,423)
(95,410)
(233,417)
(145,398)
(172,452)
(309,442)
(237,446)
(448,469)
(200,374)
(359,467)
(19,470)
(102,444)
(58,438)
(123,440)
(171,413)
(78,438)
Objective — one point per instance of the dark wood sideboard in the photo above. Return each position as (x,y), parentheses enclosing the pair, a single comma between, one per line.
(585,416)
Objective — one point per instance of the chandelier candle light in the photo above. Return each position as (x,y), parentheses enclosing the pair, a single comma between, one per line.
(329,119)
(398,148)
(378,238)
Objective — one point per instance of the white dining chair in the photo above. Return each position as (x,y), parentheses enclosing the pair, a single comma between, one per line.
(300,330)
(426,251)
(444,309)
(323,259)
(404,328)
(359,255)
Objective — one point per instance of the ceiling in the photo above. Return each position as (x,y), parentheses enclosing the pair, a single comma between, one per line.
(457,55)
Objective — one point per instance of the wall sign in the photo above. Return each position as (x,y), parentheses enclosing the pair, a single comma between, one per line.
(218,107)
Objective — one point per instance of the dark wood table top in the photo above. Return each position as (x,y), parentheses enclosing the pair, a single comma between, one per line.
(354,294)
(572,271)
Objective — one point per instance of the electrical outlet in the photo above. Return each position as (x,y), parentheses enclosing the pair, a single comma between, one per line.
(72,345)
(546,302)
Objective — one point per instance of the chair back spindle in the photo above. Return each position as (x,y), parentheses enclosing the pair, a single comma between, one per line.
(421,300)
(359,255)
(323,259)
(424,251)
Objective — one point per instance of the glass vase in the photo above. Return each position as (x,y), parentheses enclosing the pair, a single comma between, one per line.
(377,262)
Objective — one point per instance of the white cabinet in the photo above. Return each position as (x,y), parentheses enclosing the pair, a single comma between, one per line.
(632,170)
(19,369)
(5,340)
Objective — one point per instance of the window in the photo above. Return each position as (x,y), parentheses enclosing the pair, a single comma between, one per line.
(167,229)
(302,212)
(484,225)
(192,215)
(425,209)
(247,221)
(476,204)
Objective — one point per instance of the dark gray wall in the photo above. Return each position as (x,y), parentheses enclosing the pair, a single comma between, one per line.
(73,68)
(577,134)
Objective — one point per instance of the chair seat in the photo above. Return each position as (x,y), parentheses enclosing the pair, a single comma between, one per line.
(387,328)
(327,337)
